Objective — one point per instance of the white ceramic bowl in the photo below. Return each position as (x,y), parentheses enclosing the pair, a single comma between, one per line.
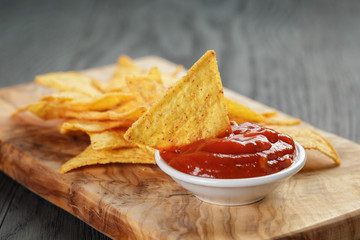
(232,192)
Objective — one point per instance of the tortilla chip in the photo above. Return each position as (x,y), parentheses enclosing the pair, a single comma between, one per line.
(64,96)
(240,113)
(80,108)
(309,139)
(133,114)
(92,126)
(193,109)
(269,114)
(123,155)
(147,149)
(281,120)
(128,106)
(109,139)
(68,81)
(45,110)
(102,102)
(155,74)
(125,67)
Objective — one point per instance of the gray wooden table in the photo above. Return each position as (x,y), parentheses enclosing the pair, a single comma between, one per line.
(301,57)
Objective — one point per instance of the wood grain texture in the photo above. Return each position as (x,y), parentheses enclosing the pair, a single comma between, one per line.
(141,202)
(301,57)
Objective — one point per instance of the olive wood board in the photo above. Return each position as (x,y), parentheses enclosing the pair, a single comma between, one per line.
(133,201)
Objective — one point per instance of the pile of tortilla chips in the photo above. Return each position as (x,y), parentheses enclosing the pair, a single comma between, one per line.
(136,111)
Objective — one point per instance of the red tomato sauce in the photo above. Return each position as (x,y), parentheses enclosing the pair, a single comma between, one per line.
(247,151)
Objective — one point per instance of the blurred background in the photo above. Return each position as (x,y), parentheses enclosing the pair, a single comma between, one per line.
(300,57)
(265,50)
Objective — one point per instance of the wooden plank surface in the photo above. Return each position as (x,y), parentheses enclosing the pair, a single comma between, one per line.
(139,201)
(301,57)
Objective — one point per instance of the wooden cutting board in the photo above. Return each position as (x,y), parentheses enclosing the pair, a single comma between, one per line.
(127,201)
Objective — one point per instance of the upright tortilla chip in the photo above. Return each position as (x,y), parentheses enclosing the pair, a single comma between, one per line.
(309,139)
(193,109)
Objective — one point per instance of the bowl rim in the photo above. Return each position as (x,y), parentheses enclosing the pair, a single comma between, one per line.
(296,166)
